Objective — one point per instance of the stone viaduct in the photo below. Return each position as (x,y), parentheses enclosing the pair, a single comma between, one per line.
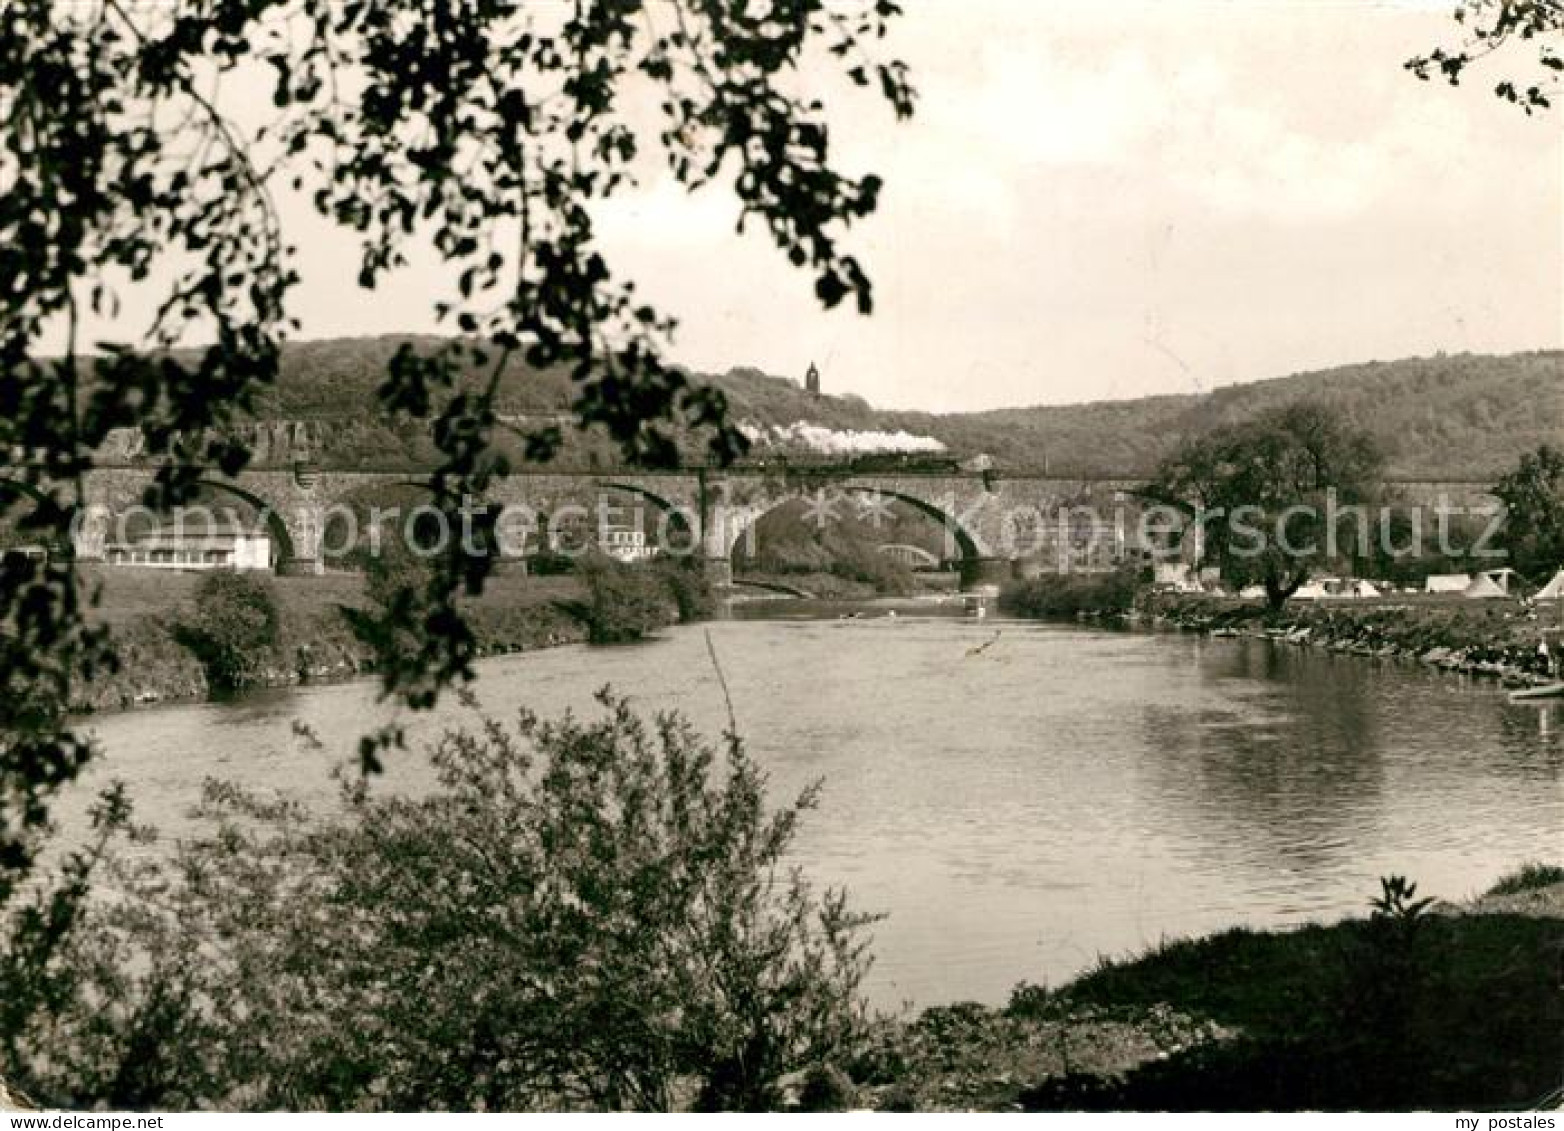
(995,524)
(989,519)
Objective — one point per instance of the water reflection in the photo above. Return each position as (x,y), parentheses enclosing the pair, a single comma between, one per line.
(1276,762)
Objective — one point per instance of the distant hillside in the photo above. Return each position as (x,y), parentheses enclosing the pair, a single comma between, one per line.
(1461,416)
(1458,416)
(1442,417)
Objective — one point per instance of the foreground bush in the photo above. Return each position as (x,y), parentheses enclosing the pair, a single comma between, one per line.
(580,915)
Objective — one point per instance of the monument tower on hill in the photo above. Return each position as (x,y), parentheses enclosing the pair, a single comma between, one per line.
(812,381)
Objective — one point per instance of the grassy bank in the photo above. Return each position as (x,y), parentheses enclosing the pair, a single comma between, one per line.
(1445,1007)
(1492,637)
(146,609)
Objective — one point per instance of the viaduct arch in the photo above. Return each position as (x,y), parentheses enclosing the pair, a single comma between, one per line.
(823,503)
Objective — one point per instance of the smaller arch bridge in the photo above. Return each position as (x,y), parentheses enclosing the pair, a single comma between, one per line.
(913,557)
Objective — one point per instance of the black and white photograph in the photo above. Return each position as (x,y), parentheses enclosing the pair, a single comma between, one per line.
(862,556)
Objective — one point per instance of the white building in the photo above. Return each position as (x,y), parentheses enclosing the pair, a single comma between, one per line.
(624,545)
(199,546)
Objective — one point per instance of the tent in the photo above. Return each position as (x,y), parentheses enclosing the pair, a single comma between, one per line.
(1553,590)
(1314,590)
(1502,578)
(1173,575)
(1446,583)
(1483,586)
(1357,587)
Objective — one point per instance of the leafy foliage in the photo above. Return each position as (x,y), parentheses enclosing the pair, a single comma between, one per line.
(1488,26)
(1528,877)
(485,129)
(581,914)
(625,602)
(41,982)
(689,585)
(1533,497)
(234,627)
(1262,492)
(1053,596)
(1397,900)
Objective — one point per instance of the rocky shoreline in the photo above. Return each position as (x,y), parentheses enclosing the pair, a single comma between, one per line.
(1493,639)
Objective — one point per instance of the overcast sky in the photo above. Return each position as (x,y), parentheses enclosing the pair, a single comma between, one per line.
(1112,199)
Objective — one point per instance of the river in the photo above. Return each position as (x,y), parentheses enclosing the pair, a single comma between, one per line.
(1017,810)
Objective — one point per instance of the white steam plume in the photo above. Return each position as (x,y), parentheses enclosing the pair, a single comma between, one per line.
(836,442)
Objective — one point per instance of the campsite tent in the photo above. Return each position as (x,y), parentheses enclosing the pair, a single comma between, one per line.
(1553,590)
(1447,583)
(1503,578)
(1173,575)
(1357,587)
(1483,586)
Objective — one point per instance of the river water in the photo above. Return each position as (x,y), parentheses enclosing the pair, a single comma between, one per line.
(1017,809)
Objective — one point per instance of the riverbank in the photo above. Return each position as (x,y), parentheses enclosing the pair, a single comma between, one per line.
(1445,1007)
(145,609)
(1494,638)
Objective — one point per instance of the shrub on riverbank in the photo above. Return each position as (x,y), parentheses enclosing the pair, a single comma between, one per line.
(690,587)
(581,914)
(1070,595)
(864,580)
(628,601)
(624,602)
(234,628)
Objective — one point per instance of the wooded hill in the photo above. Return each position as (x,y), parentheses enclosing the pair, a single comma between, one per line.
(1448,416)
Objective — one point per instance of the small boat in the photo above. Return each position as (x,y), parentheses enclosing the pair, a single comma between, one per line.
(1553,690)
